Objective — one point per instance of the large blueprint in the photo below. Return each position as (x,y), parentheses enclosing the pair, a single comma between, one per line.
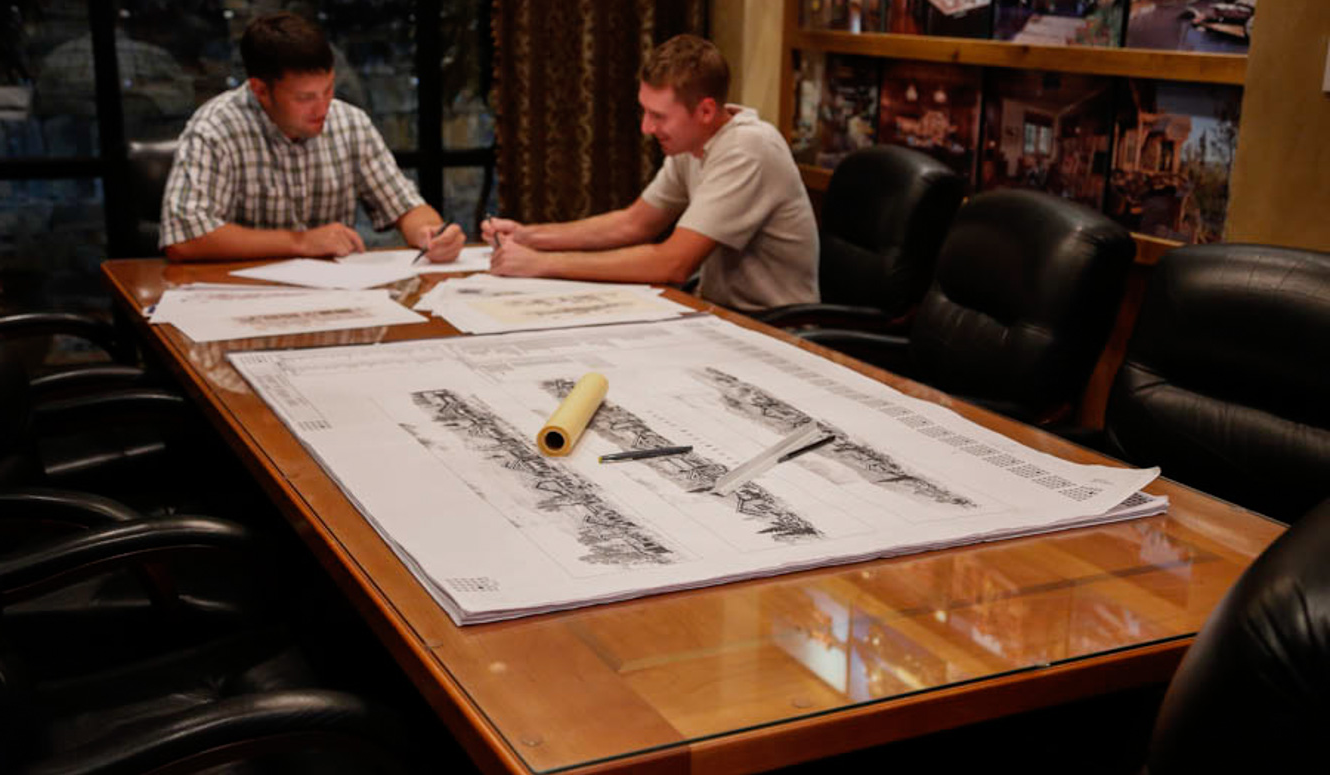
(434,442)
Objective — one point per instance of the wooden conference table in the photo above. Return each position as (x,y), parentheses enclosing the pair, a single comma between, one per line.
(759,674)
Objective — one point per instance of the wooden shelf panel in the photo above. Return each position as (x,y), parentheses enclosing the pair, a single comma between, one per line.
(1148,249)
(1139,63)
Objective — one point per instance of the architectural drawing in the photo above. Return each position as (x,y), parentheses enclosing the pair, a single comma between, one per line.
(688,471)
(284,320)
(873,465)
(609,537)
(495,530)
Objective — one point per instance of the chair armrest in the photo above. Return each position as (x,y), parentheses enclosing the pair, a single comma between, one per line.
(57,562)
(95,406)
(64,507)
(833,316)
(85,379)
(240,727)
(888,351)
(85,327)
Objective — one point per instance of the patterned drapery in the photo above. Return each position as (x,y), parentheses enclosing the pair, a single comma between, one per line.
(565,98)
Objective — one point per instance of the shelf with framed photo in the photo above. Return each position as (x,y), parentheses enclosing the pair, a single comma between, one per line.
(1035,94)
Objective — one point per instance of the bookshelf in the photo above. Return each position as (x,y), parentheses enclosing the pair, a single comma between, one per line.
(1183,66)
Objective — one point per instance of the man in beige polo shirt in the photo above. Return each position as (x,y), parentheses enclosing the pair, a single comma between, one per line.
(743,214)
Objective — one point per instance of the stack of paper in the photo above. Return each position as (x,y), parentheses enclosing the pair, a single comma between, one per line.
(484,304)
(212,312)
(493,529)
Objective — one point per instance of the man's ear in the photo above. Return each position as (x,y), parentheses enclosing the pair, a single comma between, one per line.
(706,110)
(261,91)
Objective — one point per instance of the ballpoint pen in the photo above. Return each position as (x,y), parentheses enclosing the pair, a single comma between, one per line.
(425,249)
(494,243)
(643,454)
(791,455)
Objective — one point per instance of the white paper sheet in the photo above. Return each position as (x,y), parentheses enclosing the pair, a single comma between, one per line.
(314,273)
(206,293)
(213,315)
(471,259)
(495,530)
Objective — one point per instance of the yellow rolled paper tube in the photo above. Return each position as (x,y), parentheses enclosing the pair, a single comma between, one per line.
(565,426)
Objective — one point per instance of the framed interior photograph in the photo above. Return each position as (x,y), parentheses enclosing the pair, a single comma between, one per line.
(1048,132)
(950,18)
(1192,25)
(1059,22)
(847,114)
(932,108)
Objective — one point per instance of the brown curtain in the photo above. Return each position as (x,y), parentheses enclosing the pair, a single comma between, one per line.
(565,97)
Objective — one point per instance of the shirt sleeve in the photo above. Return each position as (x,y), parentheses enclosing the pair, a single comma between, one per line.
(198,189)
(728,204)
(667,191)
(386,193)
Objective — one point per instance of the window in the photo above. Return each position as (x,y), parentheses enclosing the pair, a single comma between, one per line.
(425,86)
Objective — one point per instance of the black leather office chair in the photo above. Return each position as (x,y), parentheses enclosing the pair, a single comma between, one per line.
(39,327)
(1226,381)
(243,697)
(1025,293)
(1253,692)
(884,216)
(107,433)
(149,166)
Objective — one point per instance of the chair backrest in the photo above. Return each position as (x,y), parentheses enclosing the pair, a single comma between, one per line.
(884,216)
(18,457)
(1025,293)
(149,166)
(1253,692)
(1226,381)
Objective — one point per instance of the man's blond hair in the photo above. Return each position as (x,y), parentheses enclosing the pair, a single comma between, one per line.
(692,67)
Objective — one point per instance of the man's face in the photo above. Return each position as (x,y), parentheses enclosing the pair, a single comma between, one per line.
(675,127)
(297,102)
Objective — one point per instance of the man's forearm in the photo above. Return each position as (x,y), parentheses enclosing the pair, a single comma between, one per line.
(614,229)
(648,263)
(237,243)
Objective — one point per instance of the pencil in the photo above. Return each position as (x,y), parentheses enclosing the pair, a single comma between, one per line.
(642,454)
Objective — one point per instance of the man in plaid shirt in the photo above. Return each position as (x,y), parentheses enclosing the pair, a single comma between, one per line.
(275,167)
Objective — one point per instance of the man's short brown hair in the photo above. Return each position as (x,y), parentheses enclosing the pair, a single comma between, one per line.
(690,65)
(283,42)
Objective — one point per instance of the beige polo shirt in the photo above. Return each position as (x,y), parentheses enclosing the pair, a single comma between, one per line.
(746,194)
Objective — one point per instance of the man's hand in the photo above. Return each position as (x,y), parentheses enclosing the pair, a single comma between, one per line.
(445,247)
(328,241)
(512,259)
(492,229)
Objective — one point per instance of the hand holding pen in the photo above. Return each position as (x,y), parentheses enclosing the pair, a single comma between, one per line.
(492,228)
(450,234)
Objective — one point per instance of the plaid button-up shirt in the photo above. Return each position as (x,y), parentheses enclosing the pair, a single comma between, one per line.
(235,166)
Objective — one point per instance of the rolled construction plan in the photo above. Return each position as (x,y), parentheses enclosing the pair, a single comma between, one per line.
(565,426)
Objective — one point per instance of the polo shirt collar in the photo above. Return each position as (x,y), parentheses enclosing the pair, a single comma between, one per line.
(739,114)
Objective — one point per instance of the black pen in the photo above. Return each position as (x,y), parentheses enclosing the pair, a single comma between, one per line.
(425,249)
(642,454)
(792,454)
